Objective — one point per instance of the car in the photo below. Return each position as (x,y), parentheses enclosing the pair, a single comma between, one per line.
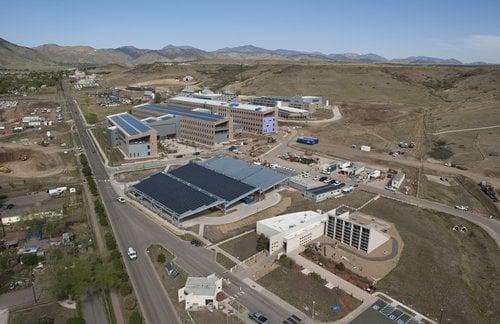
(322,179)
(258,317)
(132,255)
(316,178)
(121,199)
(461,207)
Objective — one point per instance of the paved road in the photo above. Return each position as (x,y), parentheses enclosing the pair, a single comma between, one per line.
(133,228)
(491,226)
(93,309)
(465,130)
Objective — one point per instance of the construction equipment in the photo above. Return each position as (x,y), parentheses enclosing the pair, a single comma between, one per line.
(489,190)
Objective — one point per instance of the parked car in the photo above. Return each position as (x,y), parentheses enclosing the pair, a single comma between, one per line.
(461,207)
(121,199)
(132,255)
(258,317)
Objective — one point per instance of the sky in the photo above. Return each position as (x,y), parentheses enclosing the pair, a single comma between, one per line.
(465,30)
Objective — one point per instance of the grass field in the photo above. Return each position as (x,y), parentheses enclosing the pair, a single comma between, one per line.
(136,175)
(114,155)
(224,261)
(300,291)
(242,247)
(442,268)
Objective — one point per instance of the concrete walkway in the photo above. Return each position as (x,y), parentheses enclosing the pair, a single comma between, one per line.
(242,211)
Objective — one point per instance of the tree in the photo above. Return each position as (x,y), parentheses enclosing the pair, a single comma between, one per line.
(106,276)
(75,320)
(262,243)
(135,318)
(157,98)
(70,277)
(29,260)
(110,241)
(340,267)
(7,260)
(161,258)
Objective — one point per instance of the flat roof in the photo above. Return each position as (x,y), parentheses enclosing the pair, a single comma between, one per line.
(293,110)
(202,286)
(287,222)
(251,174)
(359,218)
(166,110)
(323,189)
(232,105)
(129,124)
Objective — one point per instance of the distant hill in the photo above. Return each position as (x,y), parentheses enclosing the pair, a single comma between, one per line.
(50,55)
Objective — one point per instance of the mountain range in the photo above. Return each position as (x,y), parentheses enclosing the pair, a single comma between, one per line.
(20,57)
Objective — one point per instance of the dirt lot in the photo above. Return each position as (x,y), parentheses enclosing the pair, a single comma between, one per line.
(242,247)
(441,268)
(301,290)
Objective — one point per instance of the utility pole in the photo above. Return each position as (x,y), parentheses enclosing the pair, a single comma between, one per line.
(314,302)
(441,316)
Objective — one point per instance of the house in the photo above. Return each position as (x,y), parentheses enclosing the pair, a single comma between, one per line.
(201,292)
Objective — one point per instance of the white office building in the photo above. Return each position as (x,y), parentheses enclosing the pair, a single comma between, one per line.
(291,231)
(201,292)
(357,230)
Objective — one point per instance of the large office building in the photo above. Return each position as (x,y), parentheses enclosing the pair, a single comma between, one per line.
(252,118)
(357,230)
(197,187)
(197,126)
(291,231)
(134,138)
(300,102)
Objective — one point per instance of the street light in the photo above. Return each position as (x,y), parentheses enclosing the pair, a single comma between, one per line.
(314,302)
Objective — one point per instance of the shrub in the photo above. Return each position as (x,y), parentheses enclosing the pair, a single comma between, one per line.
(29,259)
(110,241)
(286,262)
(125,289)
(130,302)
(262,243)
(317,277)
(161,258)
(340,267)
(135,318)
(75,320)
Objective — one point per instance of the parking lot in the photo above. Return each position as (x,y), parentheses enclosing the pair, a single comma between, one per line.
(385,312)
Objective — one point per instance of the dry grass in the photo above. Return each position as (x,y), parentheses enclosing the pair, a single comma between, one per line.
(442,268)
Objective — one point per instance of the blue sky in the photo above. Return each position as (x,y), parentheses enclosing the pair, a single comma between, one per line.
(466,30)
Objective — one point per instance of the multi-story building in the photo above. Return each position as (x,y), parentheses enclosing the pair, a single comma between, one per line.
(197,126)
(134,138)
(357,230)
(253,119)
(290,231)
(300,102)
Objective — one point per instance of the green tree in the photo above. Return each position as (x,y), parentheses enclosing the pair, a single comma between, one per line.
(110,241)
(75,320)
(70,277)
(157,98)
(161,258)
(262,243)
(29,260)
(135,318)
(106,276)
(7,260)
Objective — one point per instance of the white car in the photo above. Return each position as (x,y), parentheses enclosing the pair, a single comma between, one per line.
(132,255)
(121,199)
(460,207)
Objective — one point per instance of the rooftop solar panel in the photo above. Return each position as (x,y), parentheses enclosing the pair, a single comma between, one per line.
(134,122)
(218,184)
(181,112)
(175,194)
(118,120)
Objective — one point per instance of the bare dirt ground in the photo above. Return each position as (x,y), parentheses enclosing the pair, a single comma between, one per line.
(41,162)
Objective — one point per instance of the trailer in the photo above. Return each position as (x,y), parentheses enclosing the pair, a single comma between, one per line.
(308,140)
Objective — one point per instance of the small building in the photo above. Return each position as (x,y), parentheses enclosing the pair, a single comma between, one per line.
(357,230)
(397,180)
(290,231)
(323,192)
(292,113)
(375,174)
(201,292)
(309,140)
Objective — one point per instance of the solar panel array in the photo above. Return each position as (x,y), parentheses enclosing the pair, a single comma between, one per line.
(251,174)
(181,112)
(175,194)
(131,125)
(216,183)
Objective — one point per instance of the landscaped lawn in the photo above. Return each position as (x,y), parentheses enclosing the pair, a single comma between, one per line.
(224,261)
(242,247)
